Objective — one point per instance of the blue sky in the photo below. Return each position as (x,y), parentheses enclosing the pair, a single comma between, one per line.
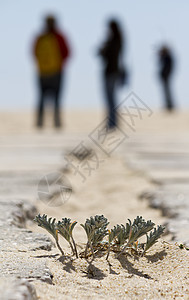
(146,25)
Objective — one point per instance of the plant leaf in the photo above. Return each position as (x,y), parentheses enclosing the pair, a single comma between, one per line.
(46,223)
(153,237)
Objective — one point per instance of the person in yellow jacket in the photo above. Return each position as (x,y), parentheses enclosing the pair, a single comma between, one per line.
(51,51)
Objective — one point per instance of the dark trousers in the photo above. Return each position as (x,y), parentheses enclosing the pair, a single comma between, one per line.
(167,94)
(49,86)
(110,82)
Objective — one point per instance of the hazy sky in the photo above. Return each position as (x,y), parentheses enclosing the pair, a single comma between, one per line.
(146,25)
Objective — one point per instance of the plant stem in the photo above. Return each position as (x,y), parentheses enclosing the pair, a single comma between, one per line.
(57,243)
(72,247)
(87,245)
(108,252)
(62,252)
(123,249)
(91,246)
(75,248)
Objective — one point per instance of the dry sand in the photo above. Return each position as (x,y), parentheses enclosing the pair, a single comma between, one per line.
(113,190)
(162,273)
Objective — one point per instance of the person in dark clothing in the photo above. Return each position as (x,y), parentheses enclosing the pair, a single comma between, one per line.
(51,52)
(165,72)
(111,53)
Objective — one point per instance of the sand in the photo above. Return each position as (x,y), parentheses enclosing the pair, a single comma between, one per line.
(113,190)
(162,273)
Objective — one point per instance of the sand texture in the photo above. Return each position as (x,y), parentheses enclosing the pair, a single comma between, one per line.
(117,187)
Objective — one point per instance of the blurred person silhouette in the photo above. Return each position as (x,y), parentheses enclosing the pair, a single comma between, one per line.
(51,52)
(114,73)
(166,64)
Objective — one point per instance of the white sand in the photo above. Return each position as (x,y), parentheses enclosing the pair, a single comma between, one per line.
(112,190)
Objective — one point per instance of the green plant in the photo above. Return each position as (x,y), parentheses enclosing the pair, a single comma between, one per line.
(153,237)
(117,232)
(45,223)
(65,228)
(96,230)
(120,237)
(135,230)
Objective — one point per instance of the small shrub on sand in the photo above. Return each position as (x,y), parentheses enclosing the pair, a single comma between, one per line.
(100,238)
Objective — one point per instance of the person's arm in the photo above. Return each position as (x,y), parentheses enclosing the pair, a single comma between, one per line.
(104,50)
(64,47)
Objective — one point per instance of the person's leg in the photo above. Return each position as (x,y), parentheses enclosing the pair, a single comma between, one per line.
(110,87)
(168,97)
(57,121)
(57,118)
(40,109)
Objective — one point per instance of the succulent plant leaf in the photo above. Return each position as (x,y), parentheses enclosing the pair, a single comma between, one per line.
(153,237)
(96,228)
(46,223)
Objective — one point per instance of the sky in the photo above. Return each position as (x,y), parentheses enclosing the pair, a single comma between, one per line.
(146,25)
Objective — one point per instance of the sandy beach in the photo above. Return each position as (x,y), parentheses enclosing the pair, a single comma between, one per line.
(113,189)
